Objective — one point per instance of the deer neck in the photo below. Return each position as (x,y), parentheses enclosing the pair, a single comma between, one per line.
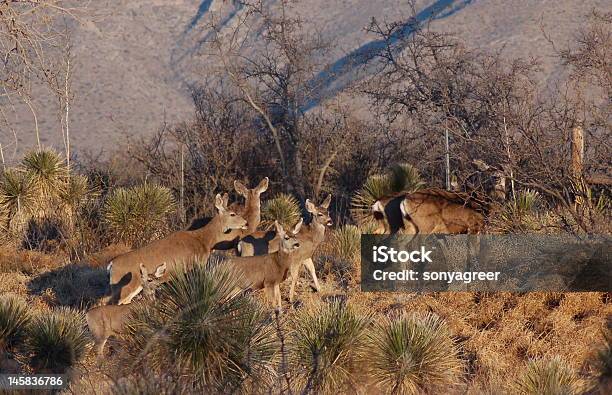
(282,258)
(316,232)
(210,234)
(253,213)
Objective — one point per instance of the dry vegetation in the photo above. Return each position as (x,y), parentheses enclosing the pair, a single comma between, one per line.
(60,223)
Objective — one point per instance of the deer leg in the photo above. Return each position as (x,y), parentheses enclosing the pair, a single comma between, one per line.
(277,296)
(294,271)
(311,269)
(100,347)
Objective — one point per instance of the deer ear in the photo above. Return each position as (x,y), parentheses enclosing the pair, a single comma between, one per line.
(310,207)
(326,202)
(298,226)
(160,271)
(241,188)
(263,185)
(219,203)
(279,228)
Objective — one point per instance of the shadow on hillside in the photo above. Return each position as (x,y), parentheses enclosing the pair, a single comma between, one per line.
(74,285)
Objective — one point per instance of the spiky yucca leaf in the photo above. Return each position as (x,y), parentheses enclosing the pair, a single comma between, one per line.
(76,192)
(14,318)
(548,377)
(324,346)
(401,177)
(346,242)
(413,354)
(283,208)
(48,171)
(18,200)
(201,330)
(375,187)
(57,340)
(405,178)
(138,214)
(520,214)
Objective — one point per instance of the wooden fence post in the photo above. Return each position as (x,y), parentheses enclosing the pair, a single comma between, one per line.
(577,151)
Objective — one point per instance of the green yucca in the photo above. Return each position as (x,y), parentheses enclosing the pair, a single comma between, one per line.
(413,354)
(18,198)
(520,214)
(548,377)
(48,171)
(324,346)
(199,329)
(76,192)
(283,208)
(138,214)
(14,318)
(400,178)
(346,242)
(57,340)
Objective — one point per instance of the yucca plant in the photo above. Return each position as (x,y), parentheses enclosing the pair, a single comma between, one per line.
(400,178)
(413,354)
(48,171)
(283,208)
(548,377)
(18,198)
(57,340)
(520,214)
(14,318)
(201,330)
(138,214)
(346,242)
(325,343)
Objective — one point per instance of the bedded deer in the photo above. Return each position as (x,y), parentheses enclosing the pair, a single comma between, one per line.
(109,320)
(310,236)
(268,271)
(428,211)
(177,248)
(251,211)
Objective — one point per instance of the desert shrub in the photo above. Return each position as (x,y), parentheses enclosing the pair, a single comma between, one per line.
(521,213)
(399,178)
(14,318)
(413,354)
(548,376)
(17,199)
(346,242)
(203,333)
(47,170)
(283,208)
(324,345)
(57,340)
(138,214)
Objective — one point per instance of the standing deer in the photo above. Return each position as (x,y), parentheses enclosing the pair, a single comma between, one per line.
(428,211)
(310,236)
(175,249)
(268,271)
(109,320)
(251,211)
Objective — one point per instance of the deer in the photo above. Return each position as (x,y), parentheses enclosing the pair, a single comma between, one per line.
(428,211)
(109,320)
(251,211)
(268,271)
(310,236)
(181,247)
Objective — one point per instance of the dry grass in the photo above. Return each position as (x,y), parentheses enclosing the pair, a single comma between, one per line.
(496,334)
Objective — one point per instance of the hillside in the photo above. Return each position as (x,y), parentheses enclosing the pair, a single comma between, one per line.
(135,58)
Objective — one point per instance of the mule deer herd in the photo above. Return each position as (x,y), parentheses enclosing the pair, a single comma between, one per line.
(264,259)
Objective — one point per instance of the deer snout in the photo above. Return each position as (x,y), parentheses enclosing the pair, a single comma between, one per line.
(329,223)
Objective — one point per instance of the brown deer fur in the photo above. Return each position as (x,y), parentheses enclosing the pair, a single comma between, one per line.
(177,248)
